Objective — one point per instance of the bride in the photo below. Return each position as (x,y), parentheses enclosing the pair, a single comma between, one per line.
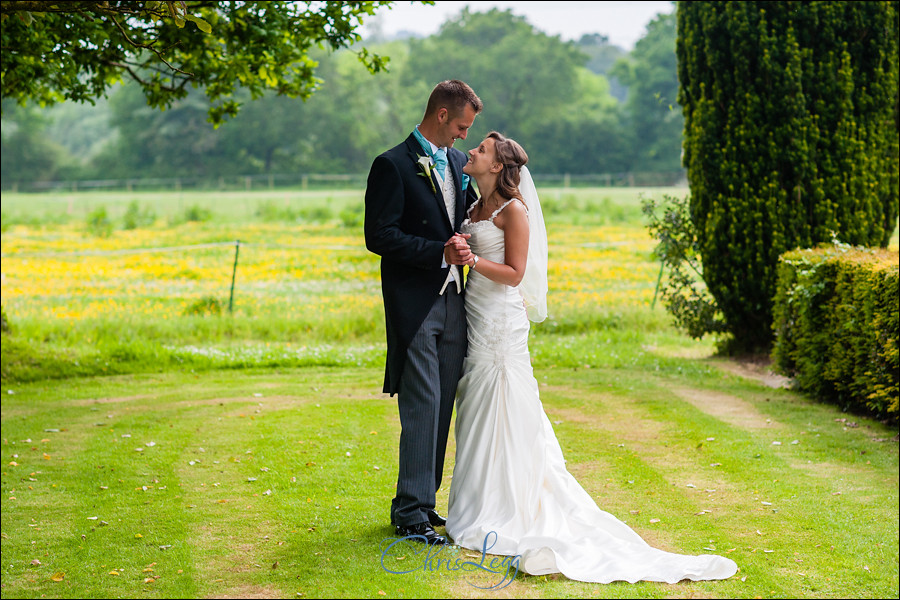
(510,478)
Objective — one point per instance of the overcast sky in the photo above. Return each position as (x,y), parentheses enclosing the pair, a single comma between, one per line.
(624,22)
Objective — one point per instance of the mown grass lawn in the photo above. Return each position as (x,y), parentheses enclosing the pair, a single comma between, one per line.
(277,483)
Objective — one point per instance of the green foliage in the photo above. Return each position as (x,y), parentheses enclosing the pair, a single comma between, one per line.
(4,322)
(790,134)
(197,214)
(686,298)
(136,217)
(98,222)
(316,214)
(270,211)
(77,50)
(557,98)
(210,305)
(837,318)
(352,216)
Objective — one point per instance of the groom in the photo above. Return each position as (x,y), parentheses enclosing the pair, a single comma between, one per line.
(416,199)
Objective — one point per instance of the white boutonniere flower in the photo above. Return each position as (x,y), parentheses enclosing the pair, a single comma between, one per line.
(426,164)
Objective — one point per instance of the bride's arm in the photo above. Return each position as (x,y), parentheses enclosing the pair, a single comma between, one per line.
(514,223)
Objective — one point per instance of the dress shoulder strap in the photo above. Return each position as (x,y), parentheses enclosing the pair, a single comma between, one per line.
(504,205)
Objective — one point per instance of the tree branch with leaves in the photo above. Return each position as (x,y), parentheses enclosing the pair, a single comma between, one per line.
(54,51)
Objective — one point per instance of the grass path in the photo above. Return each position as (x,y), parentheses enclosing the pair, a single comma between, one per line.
(256,484)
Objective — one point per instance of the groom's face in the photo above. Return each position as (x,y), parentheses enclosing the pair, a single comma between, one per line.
(456,127)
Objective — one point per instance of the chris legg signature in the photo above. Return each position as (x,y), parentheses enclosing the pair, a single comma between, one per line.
(433,561)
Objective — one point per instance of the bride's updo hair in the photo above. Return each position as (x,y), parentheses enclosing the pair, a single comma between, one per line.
(512,156)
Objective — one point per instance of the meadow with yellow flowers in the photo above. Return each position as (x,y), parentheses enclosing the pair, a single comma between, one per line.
(305,289)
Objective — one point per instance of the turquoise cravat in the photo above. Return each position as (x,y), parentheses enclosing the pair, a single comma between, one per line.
(440,162)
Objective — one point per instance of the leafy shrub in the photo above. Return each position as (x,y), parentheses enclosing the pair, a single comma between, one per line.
(136,217)
(836,326)
(684,294)
(208,305)
(316,214)
(4,322)
(270,212)
(352,216)
(99,223)
(197,214)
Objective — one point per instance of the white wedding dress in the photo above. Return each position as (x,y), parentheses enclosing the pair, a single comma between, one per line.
(510,478)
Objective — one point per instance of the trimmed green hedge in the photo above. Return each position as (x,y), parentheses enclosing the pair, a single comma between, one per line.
(836,326)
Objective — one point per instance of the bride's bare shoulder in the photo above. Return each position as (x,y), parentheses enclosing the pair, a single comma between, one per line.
(513,213)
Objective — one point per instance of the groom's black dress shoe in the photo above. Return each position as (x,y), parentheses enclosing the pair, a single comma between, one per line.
(421,532)
(435,519)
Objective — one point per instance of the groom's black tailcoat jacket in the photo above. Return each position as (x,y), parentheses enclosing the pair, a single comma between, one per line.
(407,225)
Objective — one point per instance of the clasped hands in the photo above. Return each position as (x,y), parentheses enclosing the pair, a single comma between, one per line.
(457,251)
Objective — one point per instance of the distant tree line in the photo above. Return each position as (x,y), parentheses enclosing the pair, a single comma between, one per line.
(580,107)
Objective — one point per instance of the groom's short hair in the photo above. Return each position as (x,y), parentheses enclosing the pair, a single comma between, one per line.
(453,95)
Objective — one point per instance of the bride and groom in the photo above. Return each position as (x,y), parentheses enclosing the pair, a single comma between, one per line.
(448,342)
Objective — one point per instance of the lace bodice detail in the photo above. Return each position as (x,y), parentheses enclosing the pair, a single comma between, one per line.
(489,221)
(487,239)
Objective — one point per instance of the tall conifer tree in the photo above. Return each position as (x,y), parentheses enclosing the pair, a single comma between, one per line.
(790,134)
